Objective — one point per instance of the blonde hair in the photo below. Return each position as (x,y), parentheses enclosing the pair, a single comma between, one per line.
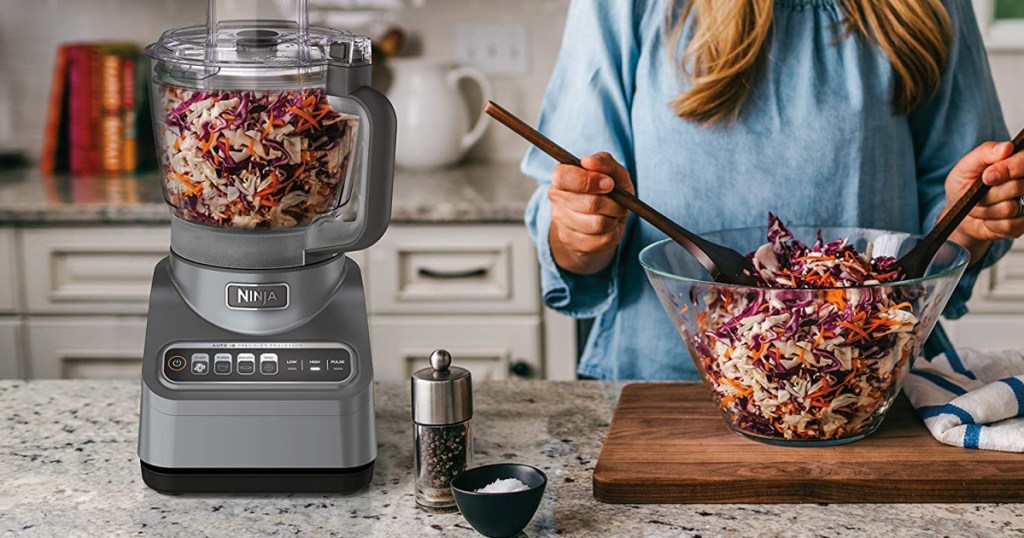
(728,49)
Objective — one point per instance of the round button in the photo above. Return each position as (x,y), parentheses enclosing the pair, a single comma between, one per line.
(176,363)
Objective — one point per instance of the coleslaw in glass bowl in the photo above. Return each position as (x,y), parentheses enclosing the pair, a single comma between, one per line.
(816,354)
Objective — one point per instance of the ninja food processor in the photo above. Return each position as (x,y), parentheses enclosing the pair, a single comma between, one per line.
(277,158)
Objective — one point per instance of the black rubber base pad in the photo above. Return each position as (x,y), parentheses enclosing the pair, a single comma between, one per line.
(180,481)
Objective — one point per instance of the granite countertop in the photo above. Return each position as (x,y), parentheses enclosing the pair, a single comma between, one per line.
(472,193)
(69,466)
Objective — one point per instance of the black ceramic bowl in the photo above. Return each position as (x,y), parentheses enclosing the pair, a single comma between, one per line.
(499,515)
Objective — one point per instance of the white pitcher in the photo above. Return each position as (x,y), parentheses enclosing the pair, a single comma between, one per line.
(433,123)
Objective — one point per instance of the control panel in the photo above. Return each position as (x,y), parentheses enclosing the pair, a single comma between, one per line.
(257,362)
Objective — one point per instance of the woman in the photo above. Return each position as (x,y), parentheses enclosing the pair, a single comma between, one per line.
(827,112)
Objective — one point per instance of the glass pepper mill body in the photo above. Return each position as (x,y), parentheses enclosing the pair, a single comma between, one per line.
(442,409)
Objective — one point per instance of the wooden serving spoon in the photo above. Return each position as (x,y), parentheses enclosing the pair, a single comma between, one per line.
(723,263)
(915,263)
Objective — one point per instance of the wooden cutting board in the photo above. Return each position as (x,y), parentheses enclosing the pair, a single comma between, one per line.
(667,443)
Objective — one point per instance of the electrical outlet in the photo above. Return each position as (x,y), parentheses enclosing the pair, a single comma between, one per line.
(495,49)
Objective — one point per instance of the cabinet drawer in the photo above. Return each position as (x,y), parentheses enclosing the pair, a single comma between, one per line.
(10,348)
(8,265)
(986,332)
(1000,288)
(91,270)
(491,348)
(85,348)
(454,270)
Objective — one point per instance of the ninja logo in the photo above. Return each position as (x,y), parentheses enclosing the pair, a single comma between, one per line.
(257,296)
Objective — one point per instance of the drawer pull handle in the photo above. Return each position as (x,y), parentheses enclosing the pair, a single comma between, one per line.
(521,369)
(452,275)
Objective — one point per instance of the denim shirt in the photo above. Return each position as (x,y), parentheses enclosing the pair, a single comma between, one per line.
(816,142)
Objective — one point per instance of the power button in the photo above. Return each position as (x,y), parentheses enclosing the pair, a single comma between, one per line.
(176,363)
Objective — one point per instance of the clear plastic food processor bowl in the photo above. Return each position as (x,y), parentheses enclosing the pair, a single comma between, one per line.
(246,135)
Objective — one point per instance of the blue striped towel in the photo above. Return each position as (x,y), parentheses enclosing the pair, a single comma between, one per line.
(971,399)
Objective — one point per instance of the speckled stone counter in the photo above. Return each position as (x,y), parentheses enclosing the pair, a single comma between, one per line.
(68,467)
(474,193)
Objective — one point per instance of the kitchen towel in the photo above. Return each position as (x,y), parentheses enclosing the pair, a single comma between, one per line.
(971,399)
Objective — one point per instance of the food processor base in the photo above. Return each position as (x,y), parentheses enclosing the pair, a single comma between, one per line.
(181,481)
(299,421)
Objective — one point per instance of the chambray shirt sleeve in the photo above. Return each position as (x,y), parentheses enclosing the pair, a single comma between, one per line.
(964,113)
(586,109)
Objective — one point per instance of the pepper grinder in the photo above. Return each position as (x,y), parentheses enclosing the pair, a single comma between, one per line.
(442,407)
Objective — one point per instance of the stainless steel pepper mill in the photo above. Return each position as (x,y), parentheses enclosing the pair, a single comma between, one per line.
(442,408)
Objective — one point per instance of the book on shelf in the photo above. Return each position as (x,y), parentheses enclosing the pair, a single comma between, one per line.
(96,117)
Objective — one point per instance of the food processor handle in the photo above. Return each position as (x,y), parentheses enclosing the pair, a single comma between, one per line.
(353,82)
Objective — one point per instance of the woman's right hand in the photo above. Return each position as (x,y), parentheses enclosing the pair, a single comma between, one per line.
(586,225)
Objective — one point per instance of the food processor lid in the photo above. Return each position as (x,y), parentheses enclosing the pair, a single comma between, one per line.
(259,44)
(260,40)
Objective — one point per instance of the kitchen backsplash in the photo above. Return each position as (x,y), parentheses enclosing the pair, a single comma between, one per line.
(31,30)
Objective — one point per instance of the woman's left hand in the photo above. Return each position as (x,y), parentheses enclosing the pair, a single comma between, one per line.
(1000,215)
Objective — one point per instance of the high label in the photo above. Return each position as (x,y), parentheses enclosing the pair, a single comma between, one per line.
(257,296)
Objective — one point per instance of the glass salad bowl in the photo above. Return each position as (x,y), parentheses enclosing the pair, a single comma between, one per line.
(812,367)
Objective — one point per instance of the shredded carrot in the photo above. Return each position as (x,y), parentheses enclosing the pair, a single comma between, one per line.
(182,178)
(855,329)
(323,112)
(736,385)
(209,143)
(303,114)
(729,399)
(684,309)
(896,307)
(835,297)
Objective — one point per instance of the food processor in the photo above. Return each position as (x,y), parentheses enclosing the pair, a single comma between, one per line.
(277,158)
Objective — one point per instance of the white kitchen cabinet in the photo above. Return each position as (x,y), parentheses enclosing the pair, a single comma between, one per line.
(8,271)
(472,288)
(996,318)
(1000,290)
(10,348)
(987,332)
(454,269)
(91,270)
(491,347)
(560,349)
(108,347)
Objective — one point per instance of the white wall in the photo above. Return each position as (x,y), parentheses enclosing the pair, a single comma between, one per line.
(1008,72)
(31,29)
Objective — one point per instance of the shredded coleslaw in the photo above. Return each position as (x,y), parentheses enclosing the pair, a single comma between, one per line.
(247,159)
(793,361)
